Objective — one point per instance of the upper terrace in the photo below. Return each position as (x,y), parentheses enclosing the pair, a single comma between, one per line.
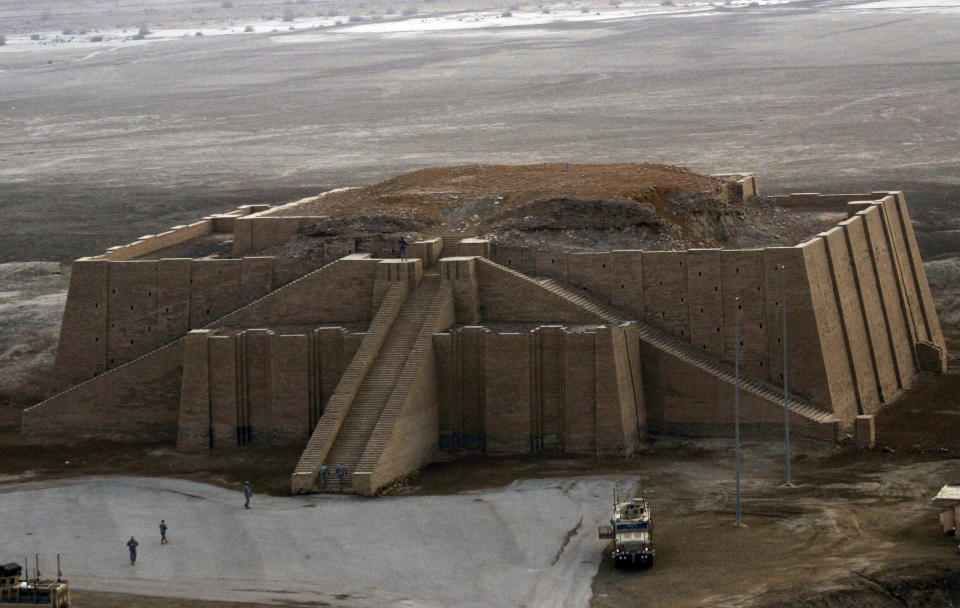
(579,212)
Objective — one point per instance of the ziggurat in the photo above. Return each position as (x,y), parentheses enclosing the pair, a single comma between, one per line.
(471,345)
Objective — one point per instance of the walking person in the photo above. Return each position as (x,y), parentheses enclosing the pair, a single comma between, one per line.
(247,493)
(132,545)
(163,532)
(341,471)
(324,472)
(402,243)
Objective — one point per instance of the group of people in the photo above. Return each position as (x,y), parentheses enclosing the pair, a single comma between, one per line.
(325,472)
(132,544)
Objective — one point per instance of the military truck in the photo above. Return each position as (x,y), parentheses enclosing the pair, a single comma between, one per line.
(631,529)
(18,590)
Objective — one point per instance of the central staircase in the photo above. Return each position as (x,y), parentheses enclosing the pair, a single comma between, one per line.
(347,444)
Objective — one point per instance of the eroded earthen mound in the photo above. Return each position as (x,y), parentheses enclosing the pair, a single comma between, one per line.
(560,207)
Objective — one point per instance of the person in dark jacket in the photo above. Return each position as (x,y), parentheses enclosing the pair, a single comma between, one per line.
(163,532)
(247,493)
(132,545)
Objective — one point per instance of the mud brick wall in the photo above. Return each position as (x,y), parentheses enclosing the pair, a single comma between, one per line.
(579,392)
(685,400)
(505,295)
(223,223)
(155,242)
(257,386)
(119,310)
(135,401)
(339,292)
(857,301)
(807,200)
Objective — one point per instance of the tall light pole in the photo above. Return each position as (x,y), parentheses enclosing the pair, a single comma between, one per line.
(786,393)
(736,403)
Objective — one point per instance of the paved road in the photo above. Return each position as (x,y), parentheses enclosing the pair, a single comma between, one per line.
(499,548)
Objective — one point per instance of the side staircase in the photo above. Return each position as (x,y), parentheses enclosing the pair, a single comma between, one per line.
(343,433)
(450,243)
(686,352)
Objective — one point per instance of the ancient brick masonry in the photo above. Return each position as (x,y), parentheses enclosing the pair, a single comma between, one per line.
(378,362)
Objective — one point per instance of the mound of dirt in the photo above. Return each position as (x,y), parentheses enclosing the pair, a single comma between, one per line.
(456,194)
(563,207)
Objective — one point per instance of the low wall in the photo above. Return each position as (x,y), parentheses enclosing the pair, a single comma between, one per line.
(815,200)
(549,389)
(137,400)
(257,233)
(147,244)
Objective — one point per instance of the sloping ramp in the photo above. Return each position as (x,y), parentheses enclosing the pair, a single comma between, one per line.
(684,351)
(346,428)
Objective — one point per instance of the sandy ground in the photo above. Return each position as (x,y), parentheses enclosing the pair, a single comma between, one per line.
(32,297)
(102,148)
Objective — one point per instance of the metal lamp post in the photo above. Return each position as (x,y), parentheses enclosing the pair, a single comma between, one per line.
(736,403)
(786,394)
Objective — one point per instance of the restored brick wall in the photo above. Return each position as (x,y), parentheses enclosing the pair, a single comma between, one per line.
(685,400)
(551,388)
(119,310)
(579,391)
(665,291)
(899,331)
(291,387)
(258,386)
(155,242)
(507,379)
(743,275)
(857,301)
(137,400)
(704,278)
(339,292)
(506,296)
(853,321)
(840,389)
(626,286)
(881,356)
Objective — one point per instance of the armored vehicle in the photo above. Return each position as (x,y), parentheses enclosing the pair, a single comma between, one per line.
(632,532)
(17,591)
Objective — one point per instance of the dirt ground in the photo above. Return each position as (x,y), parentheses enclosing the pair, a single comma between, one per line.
(856,531)
(99,154)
